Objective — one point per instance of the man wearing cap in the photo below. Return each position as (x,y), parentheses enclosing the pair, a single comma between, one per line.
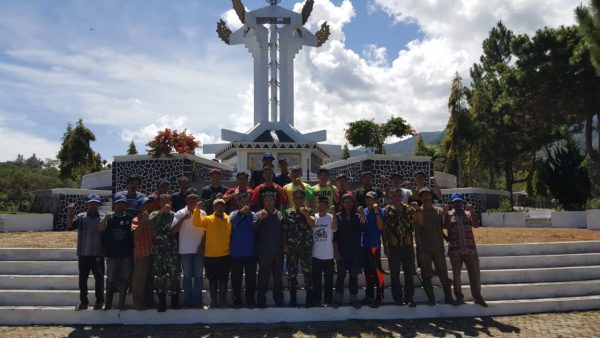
(232,195)
(132,195)
(257,175)
(142,284)
(298,225)
(118,245)
(360,194)
(190,238)
(347,245)
(212,191)
(243,252)
(398,246)
(268,187)
(89,249)
(341,184)
(165,255)
(429,223)
(217,249)
(297,184)
(284,176)
(462,247)
(324,188)
(372,250)
(179,198)
(421,182)
(270,240)
(162,187)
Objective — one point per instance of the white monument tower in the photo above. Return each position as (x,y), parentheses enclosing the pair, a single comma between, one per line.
(274,36)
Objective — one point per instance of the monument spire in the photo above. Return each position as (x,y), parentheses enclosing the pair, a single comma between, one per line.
(274,35)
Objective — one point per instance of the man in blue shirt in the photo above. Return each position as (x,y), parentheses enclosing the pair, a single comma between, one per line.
(372,250)
(243,252)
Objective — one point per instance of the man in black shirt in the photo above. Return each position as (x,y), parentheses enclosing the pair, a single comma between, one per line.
(257,176)
(212,191)
(179,197)
(348,249)
(366,180)
(284,177)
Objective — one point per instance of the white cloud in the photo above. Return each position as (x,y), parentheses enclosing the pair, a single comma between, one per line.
(210,88)
(17,142)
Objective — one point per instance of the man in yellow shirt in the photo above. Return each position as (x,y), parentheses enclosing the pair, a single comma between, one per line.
(216,249)
(297,184)
(325,189)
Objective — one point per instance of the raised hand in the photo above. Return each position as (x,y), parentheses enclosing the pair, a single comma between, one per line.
(445,208)
(245,210)
(71,207)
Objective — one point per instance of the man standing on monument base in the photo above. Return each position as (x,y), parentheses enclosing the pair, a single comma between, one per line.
(298,224)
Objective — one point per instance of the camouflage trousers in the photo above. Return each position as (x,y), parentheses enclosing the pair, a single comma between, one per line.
(167,269)
(304,257)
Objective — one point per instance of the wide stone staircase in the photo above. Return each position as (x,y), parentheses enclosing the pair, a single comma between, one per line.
(40,286)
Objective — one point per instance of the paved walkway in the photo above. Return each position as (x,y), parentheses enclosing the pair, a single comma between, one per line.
(574,324)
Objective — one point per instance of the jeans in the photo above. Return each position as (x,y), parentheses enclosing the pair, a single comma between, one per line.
(192,265)
(96,266)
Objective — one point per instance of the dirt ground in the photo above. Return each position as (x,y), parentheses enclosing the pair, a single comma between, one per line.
(63,239)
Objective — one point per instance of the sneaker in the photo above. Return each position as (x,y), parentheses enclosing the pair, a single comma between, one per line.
(355,304)
(98,306)
(81,306)
(375,304)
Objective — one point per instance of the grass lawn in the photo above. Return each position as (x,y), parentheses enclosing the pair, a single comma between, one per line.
(63,239)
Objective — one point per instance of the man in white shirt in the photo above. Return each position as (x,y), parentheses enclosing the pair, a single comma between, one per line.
(190,238)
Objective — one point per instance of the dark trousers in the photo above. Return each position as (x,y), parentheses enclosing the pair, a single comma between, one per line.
(472,264)
(402,257)
(373,273)
(142,285)
(439,261)
(239,266)
(351,266)
(95,265)
(270,264)
(322,268)
(217,268)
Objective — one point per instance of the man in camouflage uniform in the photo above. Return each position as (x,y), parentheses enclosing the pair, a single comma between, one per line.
(298,228)
(165,254)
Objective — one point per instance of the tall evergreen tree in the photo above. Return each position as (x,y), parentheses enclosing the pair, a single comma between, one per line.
(76,155)
(132,150)
(345,152)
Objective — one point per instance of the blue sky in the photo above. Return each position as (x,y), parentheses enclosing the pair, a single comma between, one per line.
(129,68)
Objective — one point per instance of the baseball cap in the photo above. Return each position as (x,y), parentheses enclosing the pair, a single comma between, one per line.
(348,196)
(457,197)
(372,194)
(296,169)
(143,200)
(268,156)
(217,201)
(117,198)
(93,198)
(214,171)
(424,190)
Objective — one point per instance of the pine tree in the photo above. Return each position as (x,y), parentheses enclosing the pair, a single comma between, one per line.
(132,150)
(345,152)
(76,155)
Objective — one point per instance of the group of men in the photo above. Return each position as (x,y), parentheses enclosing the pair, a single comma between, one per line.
(266,224)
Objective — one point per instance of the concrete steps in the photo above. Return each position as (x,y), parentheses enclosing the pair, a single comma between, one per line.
(27,315)
(41,286)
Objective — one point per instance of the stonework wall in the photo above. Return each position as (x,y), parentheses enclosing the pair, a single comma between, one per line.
(55,201)
(154,170)
(380,165)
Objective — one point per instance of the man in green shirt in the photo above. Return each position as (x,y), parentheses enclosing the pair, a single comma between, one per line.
(429,222)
